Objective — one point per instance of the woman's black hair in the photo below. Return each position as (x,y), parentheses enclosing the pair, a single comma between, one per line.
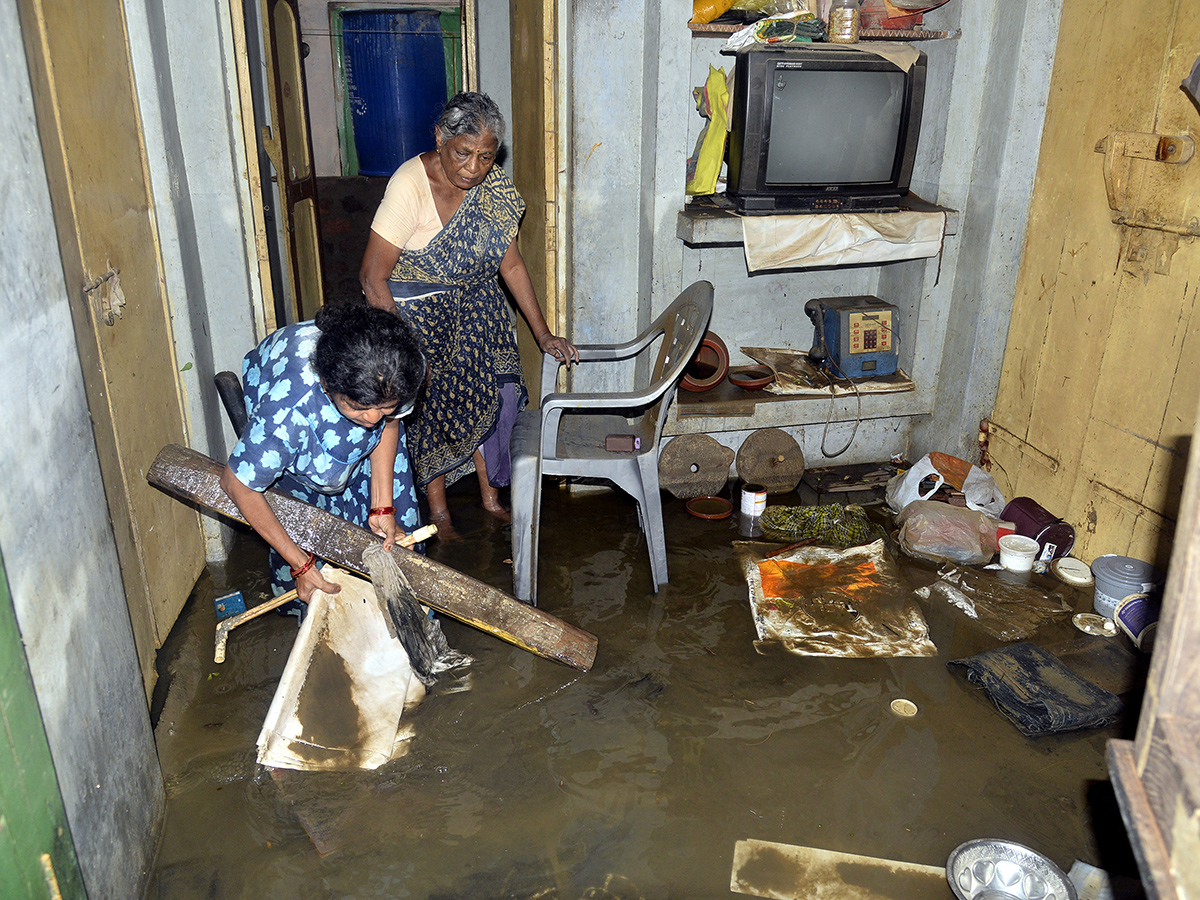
(470,112)
(371,356)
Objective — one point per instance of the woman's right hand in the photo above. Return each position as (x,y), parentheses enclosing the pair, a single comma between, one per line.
(312,581)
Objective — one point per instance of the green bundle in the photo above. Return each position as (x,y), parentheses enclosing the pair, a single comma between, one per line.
(833,523)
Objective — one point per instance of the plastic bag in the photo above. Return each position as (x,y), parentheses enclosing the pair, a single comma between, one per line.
(939,531)
(704,11)
(977,486)
(713,101)
(1000,605)
(816,601)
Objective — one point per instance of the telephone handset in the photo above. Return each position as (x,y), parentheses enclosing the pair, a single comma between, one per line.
(818,355)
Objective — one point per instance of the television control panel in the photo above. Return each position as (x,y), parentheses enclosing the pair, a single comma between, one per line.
(829,202)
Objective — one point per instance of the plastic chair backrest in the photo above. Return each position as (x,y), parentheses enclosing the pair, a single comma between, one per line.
(683,325)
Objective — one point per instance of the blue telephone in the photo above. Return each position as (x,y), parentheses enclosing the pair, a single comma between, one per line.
(854,337)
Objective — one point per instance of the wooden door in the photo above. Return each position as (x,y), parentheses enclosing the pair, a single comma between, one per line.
(289,147)
(1099,384)
(536,154)
(95,160)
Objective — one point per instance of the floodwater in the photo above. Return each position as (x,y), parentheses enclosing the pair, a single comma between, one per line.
(528,779)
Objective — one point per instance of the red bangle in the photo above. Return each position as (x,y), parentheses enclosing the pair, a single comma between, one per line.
(381,511)
(308,564)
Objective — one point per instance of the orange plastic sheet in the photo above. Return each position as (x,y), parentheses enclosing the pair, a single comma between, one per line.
(818,601)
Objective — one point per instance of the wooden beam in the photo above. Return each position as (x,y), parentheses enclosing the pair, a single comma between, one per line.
(191,476)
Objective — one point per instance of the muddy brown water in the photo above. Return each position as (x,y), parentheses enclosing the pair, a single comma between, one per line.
(527,779)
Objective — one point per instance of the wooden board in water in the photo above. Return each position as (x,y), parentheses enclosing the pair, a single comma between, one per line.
(194,477)
(788,872)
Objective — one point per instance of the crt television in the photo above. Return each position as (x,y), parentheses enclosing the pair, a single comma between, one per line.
(822,130)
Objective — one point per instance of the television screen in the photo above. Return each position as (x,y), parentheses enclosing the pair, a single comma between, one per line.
(834,127)
(822,129)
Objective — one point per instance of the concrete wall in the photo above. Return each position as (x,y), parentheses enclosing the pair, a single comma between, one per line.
(202,203)
(632,125)
(55,535)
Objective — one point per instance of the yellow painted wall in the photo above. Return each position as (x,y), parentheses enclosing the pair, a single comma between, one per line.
(1101,375)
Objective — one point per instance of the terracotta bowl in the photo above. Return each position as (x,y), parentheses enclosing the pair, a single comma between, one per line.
(708,366)
(710,507)
(751,378)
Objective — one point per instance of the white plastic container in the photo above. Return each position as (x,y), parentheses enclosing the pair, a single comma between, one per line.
(1017,552)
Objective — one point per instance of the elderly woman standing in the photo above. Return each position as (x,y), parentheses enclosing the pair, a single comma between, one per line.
(446,227)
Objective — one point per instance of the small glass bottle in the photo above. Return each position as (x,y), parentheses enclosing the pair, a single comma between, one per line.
(843,22)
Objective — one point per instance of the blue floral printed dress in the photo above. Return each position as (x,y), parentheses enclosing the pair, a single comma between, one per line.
(297,441)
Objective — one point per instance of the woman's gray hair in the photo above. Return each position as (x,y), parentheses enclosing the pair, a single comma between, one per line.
(470,113)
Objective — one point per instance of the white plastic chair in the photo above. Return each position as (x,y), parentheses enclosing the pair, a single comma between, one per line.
(566,434)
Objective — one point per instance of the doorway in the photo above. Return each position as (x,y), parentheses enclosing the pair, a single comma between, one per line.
(394,70)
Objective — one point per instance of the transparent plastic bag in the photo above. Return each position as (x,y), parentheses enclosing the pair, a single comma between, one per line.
(941,532)
(1005,609)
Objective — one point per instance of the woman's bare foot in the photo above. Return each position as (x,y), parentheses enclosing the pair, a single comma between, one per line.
(491,496)
(446,532)
(497,509)
(439,510)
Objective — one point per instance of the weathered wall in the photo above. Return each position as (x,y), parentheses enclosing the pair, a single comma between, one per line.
(55,535)
(1100,382)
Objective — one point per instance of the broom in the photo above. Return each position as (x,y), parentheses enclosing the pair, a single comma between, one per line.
(420,634)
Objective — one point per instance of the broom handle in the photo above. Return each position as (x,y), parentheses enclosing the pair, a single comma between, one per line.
(421,534)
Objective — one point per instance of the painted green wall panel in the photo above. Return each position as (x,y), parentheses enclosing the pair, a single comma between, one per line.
(33,821)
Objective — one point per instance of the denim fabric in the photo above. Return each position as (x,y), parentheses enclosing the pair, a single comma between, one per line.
(1038,693)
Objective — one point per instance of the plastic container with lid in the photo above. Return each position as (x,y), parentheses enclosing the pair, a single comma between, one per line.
(1119,576)
(844,17)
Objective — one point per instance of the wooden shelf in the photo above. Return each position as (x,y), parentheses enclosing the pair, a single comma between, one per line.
(702,224)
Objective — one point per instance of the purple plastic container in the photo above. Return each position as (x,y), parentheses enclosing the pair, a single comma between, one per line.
(1033,521)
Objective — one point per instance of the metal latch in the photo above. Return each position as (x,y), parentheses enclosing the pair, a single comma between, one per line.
(106,293)
(1120,149)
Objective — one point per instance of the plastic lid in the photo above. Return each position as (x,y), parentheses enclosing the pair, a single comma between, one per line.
(1125,571)
(1072,571)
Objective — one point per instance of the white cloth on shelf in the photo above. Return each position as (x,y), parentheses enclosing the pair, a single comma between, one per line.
(840,239)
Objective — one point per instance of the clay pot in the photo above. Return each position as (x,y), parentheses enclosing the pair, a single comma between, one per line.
(708,366)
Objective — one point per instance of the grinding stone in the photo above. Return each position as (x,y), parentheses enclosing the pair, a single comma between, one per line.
(771,457)
(694,465)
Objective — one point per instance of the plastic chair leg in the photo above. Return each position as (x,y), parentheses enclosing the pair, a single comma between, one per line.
(650,508)
(526,497)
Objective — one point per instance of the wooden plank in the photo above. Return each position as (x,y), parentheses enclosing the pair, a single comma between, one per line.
(789,872)
(192,476)
(1154,862)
